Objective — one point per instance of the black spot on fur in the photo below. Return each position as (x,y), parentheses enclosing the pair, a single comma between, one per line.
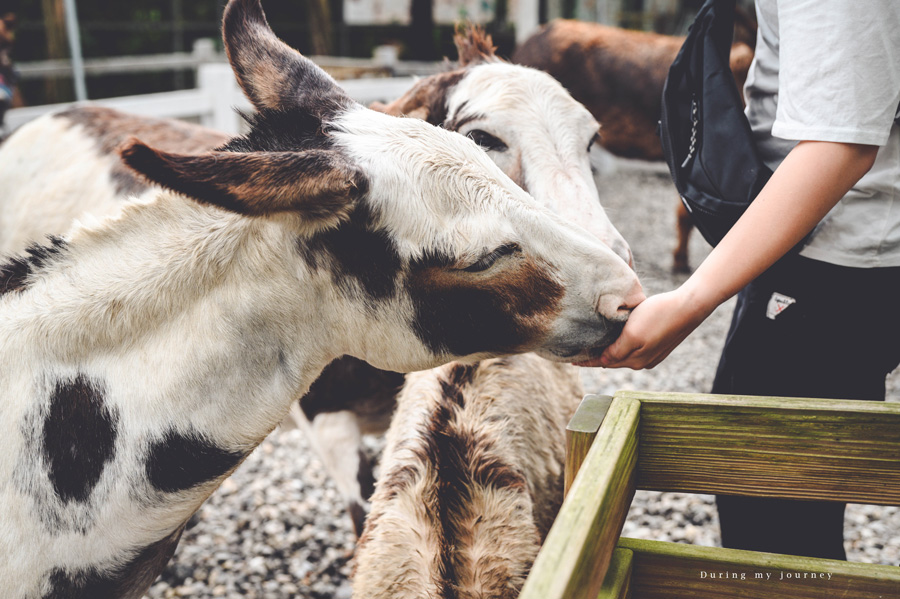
(462,316)
(178,462)
(348,383)
(131,580)
(78,439)
(15,273)
(358,253)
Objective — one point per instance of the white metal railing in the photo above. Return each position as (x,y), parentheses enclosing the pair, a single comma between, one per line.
(214,100)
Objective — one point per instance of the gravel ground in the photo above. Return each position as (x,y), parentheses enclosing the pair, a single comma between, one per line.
(277,527)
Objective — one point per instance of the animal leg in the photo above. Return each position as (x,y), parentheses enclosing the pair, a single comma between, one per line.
(684,224)
(337,439)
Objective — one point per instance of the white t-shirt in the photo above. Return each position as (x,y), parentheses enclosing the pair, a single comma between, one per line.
(829,70)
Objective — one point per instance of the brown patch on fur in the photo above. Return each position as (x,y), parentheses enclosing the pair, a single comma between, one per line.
(474,45)
(427,99)
(109,128)
(459,313)
(272,74)
(319,184)
(462,374)
(464,461)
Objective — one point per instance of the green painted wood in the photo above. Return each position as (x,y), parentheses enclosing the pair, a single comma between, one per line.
(581,430)
(576,553)
(677,571)
(769,447)
(617,584)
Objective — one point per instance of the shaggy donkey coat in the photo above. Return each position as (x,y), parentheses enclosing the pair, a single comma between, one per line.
(472,478)
(145,356)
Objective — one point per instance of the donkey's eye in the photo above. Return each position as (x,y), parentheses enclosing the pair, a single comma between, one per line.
(486,140)
(594,140)
(486,261)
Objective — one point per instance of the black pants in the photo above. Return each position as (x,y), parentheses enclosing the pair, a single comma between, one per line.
(838,339)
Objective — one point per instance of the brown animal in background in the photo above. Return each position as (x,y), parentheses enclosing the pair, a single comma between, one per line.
(619,75)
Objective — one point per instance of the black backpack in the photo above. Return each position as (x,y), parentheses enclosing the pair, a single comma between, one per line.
(706,138)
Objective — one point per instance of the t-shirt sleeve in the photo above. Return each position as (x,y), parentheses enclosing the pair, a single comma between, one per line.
(839,72)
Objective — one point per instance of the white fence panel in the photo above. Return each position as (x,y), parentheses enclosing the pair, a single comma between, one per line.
(214,101)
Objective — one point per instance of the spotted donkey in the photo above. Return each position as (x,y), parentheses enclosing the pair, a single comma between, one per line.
(532,128)
(143,357)
(522,118)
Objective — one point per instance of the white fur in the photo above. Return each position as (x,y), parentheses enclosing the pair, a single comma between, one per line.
(50,174)
(548,134)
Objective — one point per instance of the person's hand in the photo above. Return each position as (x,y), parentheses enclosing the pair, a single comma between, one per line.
(656,327)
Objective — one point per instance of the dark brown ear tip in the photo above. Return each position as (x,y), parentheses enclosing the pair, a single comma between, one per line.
(245,10)
(133,151)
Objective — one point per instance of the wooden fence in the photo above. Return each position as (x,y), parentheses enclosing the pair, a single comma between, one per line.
(753,446)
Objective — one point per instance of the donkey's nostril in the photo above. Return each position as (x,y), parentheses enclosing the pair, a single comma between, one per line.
(615,307)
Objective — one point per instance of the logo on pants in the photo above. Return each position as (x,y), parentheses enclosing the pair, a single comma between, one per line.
(778,303)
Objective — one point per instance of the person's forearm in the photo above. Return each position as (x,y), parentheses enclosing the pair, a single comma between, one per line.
(809,182)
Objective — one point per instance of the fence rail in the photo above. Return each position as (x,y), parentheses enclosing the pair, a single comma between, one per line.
(213,102)
(384,63)
(753,446)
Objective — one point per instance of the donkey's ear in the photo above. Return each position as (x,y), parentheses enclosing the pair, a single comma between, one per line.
(320,185)
(402,107)
(474,45)
(272,74)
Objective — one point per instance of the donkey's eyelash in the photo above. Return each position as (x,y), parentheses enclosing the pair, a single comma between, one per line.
(487,141)
(486,261)
(594,140)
